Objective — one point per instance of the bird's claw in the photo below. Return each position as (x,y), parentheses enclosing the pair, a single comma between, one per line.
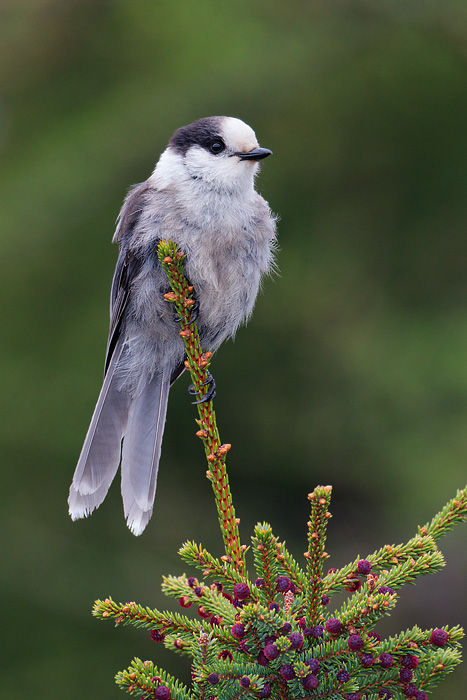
(209,395)
(211,392)
(194,312)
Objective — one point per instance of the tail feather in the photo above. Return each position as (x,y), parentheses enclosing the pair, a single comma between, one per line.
(142,450)
(81,506)
(100,456)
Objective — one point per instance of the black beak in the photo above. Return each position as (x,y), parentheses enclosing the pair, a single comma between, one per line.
(255,154)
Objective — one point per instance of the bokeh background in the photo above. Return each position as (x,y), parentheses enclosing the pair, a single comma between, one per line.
(353,370)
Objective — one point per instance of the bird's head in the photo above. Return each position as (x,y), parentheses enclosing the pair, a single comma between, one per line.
(221,153)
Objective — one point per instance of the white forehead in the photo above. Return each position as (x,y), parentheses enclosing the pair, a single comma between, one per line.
(238,134)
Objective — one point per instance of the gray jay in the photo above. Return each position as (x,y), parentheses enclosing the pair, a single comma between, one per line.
(200,195)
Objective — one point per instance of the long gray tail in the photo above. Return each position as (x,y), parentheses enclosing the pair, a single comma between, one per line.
(140,421)
(100,456)
(142,450)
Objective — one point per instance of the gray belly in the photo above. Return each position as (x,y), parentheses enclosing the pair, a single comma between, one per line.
(226,287)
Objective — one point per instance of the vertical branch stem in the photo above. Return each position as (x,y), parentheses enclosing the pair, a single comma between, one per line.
(320,499)
(197,364)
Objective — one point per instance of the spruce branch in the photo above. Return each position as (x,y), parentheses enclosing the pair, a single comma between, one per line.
(288,566)
(264,551)
(143,677)
(274,636)
(319,499)
(453,512)
(199,557)
(382,560)
(197,364)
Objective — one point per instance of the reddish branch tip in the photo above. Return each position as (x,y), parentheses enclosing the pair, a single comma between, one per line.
(367,660)
(241,591)
(162,693)
(282,584)
(343,676)
(296,640)
(406,675)
(310,682)
(313,665)
(364,567)
(409,661)
(287,672)
(157,636)
(352,583)
(271,652)
(334,626)
(355,642)
(238,630)
(439,638)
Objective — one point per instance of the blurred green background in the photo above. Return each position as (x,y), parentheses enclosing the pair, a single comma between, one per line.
(353,370)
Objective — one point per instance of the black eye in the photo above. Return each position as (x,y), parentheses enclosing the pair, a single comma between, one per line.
(217,147)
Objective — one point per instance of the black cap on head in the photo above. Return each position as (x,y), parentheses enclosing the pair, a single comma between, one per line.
(201,132)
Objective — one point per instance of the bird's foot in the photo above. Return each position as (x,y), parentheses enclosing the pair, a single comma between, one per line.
(211,392)
(194,312)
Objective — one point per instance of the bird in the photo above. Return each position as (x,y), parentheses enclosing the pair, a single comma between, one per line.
(201,195)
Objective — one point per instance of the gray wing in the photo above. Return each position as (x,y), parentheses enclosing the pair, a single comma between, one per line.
(137,420)
(128,267)
(126,270)
(128,264)
(100,455)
